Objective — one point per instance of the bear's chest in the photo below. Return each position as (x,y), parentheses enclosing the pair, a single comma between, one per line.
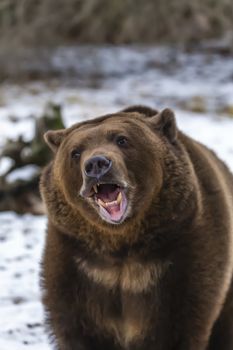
(130,276)
(122,299)
(129,324)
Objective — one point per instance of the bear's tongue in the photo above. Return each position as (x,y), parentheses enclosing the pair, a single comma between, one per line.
(112,201)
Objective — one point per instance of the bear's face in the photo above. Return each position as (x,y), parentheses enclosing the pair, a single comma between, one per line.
(110,168)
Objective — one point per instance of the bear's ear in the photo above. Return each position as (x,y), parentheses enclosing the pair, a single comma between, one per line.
(165,123)
(54,138)
(147,111)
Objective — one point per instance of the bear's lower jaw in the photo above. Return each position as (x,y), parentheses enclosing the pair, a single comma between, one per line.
(113,212)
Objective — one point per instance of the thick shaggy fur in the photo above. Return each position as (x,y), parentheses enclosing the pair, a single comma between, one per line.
(162,278)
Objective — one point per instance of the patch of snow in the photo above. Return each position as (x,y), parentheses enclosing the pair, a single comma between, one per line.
(214,132)
(24,173)
(21,244)
(5,164)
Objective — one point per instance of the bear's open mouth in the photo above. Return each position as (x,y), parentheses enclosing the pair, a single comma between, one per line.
(111,200)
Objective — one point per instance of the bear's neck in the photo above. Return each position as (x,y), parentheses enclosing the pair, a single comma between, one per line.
(153,233)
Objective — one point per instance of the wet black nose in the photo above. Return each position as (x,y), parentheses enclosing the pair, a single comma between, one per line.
(97,166)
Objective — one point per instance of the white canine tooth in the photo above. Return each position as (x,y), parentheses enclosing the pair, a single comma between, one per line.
(119,198)
(95,188)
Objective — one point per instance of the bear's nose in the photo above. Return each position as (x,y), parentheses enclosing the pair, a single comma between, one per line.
(97,166)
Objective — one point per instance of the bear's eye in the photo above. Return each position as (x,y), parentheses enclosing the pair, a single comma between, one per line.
(121,141)
(75,154)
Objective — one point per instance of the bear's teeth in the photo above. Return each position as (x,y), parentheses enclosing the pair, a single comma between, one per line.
(119,198)
(95,188)
(103,204)
(108,204)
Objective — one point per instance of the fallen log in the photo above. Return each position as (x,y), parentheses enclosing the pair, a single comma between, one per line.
(19,185)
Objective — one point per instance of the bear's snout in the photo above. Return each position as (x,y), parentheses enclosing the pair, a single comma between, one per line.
(97,166)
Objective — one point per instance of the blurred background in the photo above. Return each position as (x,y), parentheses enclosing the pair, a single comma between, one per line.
(65,61)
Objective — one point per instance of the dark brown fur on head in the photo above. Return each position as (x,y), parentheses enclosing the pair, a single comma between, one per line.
(155,271)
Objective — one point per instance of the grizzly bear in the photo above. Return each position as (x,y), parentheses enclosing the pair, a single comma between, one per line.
(139,249)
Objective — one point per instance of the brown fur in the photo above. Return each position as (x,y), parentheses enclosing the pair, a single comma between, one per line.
(160,279)
(131,276)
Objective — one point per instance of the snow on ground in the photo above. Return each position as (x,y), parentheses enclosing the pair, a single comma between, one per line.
(105,80)
(21,241)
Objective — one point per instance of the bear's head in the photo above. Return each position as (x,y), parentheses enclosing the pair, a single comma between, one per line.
(111,170)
